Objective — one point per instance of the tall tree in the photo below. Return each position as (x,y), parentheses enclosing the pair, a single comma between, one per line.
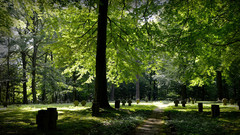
(101,80)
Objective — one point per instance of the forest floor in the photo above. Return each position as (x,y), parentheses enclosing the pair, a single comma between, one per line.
(162,118)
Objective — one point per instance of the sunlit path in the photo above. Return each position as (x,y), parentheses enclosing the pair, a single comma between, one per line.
(155,124)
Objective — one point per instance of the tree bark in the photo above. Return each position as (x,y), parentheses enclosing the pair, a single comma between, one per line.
(8,71)
(184,92)
(34,59)
(100,96)
(112,92)
(137,88)
(24,79)
(219,85)
(203,93)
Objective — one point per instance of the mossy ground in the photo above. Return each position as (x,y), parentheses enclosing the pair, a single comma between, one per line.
(74,120)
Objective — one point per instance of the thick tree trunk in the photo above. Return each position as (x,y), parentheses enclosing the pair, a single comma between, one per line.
(112,92)
(137,88)
(100,96)
(219,85)
(24,79)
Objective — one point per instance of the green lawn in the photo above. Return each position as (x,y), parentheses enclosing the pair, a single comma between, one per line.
(74,120)
(187,120)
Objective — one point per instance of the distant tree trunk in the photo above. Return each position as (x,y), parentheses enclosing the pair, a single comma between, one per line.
(137,88)
(151,87)
(184,91)
(203,93)
(219,85)
(24,79)
(100,96)
(74,85)
(44,80)
(112,92)
(8,71)
(34,59)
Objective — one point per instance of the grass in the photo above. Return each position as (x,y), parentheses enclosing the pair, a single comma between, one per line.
(74,120)
(187,120)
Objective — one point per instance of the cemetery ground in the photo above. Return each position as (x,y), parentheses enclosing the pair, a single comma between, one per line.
(21,119)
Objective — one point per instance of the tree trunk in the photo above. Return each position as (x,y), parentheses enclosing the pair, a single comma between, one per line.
(203,93)
(184,92)
(219,85)
(112,92)
(34,59)
(24,79)
(44,80)
(137,88)
(100,96)
(8,72)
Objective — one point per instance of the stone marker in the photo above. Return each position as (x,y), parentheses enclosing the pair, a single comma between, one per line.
(215,110)
(53,117)
(238,104)
(200,107)
(183,103)
(42,120)
(129,102)
(47,119)
(176,102)
(117,104)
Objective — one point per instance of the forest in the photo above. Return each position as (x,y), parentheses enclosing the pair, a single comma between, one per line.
(56,54)
(154,50)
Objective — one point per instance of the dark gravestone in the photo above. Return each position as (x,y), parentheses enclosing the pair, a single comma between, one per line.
(176,102)
(5,104)
(47,119)
(95,109)
(200,107)
(42,120)
(238,104)
(117,104)
(215,110)
(53,116)
(129,102)
(183,103)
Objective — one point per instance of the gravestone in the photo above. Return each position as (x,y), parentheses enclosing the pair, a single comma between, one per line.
(47,119)
(129,102)
(176,102)
(117,104)
(215,110)
(232,101)
(200,107)
(53,117)
(183,103)
(238,104)
(5,104)
(42,120)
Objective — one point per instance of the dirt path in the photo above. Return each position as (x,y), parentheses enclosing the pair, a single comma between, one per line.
(154,125)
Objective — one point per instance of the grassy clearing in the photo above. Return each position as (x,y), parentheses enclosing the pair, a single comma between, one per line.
(74,120)
(187,120)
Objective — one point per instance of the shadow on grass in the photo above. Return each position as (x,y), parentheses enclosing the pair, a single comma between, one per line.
(189,121)
(75,120)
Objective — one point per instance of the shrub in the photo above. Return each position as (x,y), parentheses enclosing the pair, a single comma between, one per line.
(138,101)
(232,101)
(146,99)
(75,103)
(83,103)
(224,101)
